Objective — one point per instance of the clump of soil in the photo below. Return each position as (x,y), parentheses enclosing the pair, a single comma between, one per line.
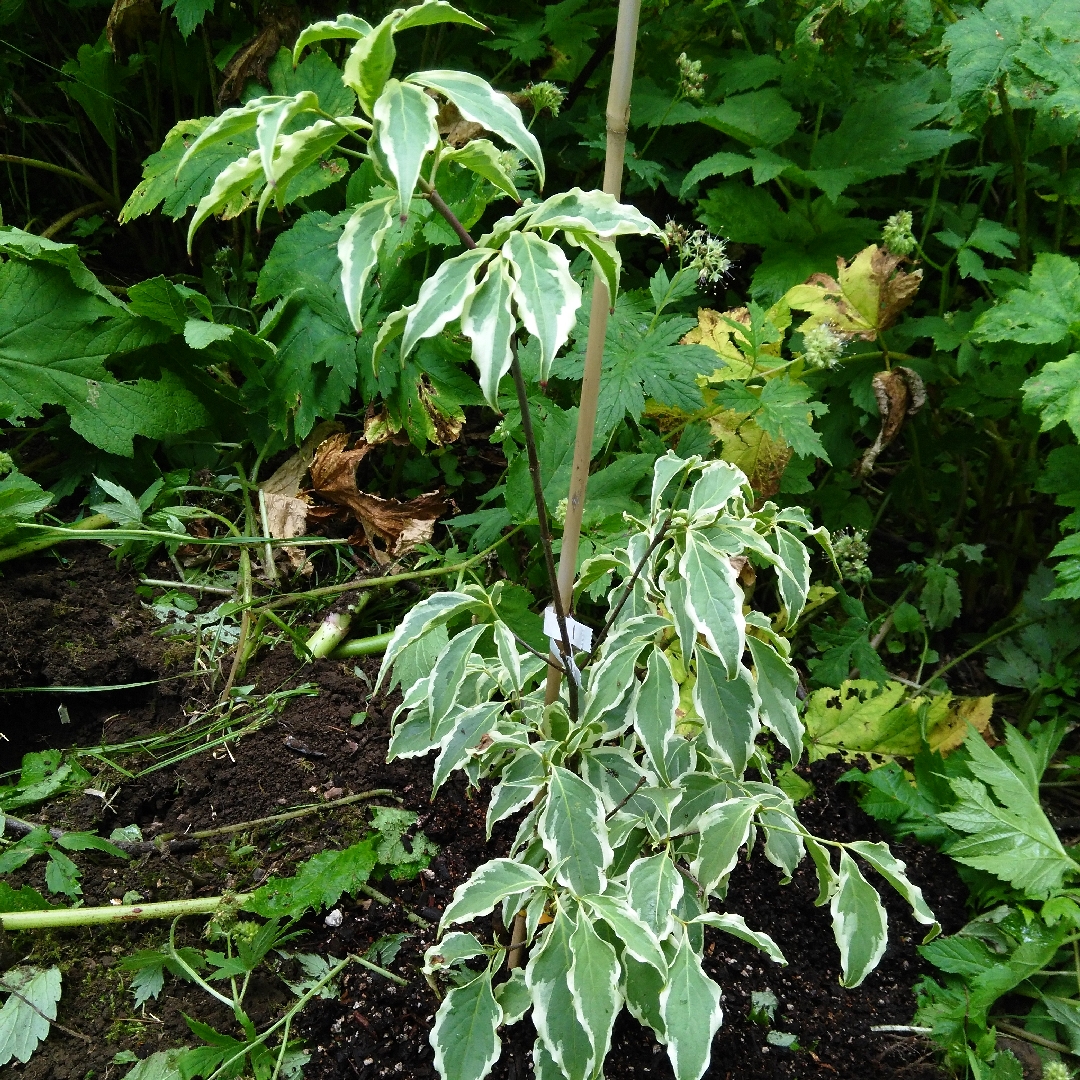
(79,622)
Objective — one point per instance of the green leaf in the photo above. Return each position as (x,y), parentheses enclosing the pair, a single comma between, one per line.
(519,782)
(25,1023)
(318,882)
(478,102)
(469,727)
(760,118)
(370,62)
(431,12)
(653,711)
(653,889)
(729,707)
(592,211)
(269,126)
(33,248)
(443,297)
(893,871)
(546,295)
(574,833)
(243,175)
(455,948)
(20,500)
(406,129)
(724,828)
(465,1034)
(859,923)
(489,885)
(448,674)
(1046,311)
(350,27)
(482,157)
(782,409)
(777,683)
(189,13)
(736,926)
(594,985)
(162,1065)
(554,1012)
(25,898)
(714,600)
(513,997)
(81,841)
(1054,393)
(690,1007)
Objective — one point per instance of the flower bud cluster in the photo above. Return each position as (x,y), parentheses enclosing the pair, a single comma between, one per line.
(691,78)
(699,250)
(852,551)
(545,95)
(897,235)
(822,346)
(6,463)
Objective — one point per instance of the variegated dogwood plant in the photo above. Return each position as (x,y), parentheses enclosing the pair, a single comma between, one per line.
(637,808)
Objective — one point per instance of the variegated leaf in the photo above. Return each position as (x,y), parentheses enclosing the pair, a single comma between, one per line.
(431,12)
(894,872)
(350,27)
(270,122)
(231,124)
(518,784)
(653,711)
(714,600)
(792,572)
(574,833)
(690,1006)
(595,211)
(370,62)
(636,936)
(546,294)
(443,296)
(406,130)
(736,926)
(653,890)
(777,685)
(449,672)
(470,726)
(860,924)
(482,157)
(465,1036)
(729,708)
(358,252)
(478,102)
(724,829)
(488,321)
(489,885)
(230,184)
(594,984)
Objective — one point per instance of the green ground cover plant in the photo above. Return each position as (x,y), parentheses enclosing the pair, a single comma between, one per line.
(279,245)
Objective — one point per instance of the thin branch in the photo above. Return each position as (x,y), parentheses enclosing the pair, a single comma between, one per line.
(607,43)
(629,796)
(1038,1040)
(36,163)
(60,224)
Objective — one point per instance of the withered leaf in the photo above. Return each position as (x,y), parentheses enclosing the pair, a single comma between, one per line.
(900,393)
(280,26)
(130,20)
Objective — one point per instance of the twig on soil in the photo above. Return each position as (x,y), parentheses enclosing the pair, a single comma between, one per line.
(17,827)
(165,583)
(1038,1040)
(55,1023)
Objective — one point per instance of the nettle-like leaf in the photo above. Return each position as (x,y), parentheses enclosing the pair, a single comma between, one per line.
(1044,312)
(638,809)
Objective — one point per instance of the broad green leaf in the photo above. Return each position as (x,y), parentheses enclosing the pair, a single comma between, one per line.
(429,613)
(760,118)
(30,246)
(724,829)
(1045,312)
(718,483)
(488,321)
(594,984)
(189,14)
(592,211)
(893,871)
(690,1006)
(162,1065)
(431,12)
(636,936)
(606,259)
(406,129)
(21,499)
(449,672)
(370,62)
(729,707)
(478,102)
(465,1036)
(777,685)
(350,27)
(482,157)
(489,885)
(513,997)
(443,297)
(554,1015)
(653,890)
(25,1020)
(1054,393)
(358,251)
(736,926)
(470,726)
(546,295)
(574,833)
(642,985)
(653,711)
(242,174)
(270,123)
(714,600)
(859,923)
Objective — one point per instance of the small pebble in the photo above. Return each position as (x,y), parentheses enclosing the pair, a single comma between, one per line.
(334,918)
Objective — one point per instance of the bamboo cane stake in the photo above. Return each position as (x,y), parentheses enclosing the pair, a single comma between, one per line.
(618,120)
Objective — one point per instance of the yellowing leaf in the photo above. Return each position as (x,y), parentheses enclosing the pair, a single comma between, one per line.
(759,455)
(719,335)
(865,718)
(866,296)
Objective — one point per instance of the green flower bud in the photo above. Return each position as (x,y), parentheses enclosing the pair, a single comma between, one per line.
(822,346)
(6,464)
(897,235)
(691,79)
(545,95)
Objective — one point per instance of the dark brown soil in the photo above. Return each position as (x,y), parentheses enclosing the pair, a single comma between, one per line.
(79,622)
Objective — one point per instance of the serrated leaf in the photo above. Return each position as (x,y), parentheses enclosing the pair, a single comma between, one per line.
(729,707)
(489,885)
(653,711)
(723,829)
(317,883)
(777,683)
(406,129)
(653,889)
(24,1024)
(465,1037)
(358,252)
(546,295)
(574,833)
(547,977)
(1054,393)
(736,926)
(782,409)
(714,600)
(162,1065)
(62,875)
(860,924)
(349,27)
(478,102)
(370,62)
(1045,311)
(690,1006)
